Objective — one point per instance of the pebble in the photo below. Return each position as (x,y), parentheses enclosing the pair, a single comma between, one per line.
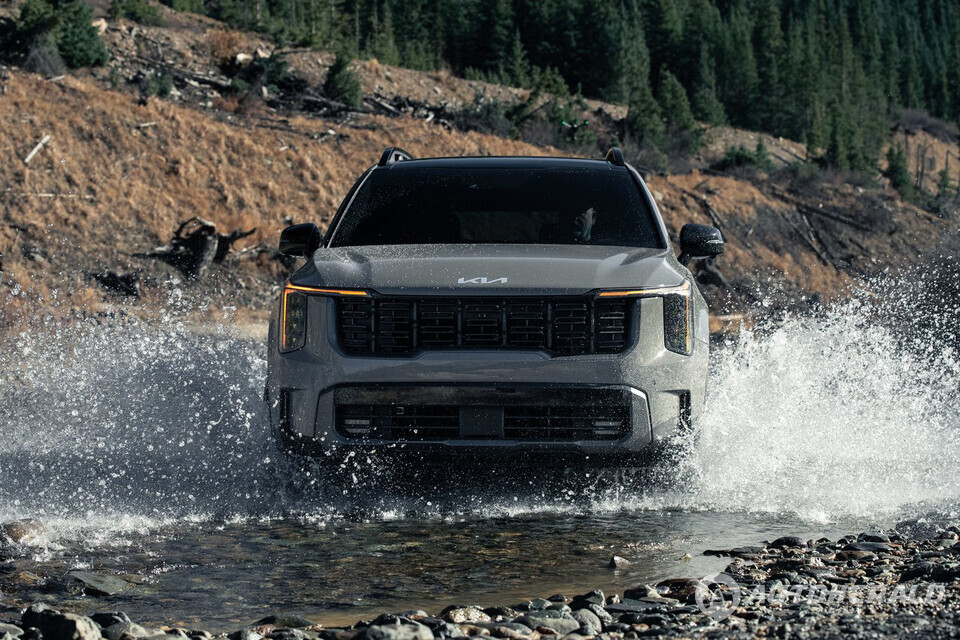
(460,614)
(10,630)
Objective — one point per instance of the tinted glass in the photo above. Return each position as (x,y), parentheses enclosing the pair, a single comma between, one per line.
(444,205)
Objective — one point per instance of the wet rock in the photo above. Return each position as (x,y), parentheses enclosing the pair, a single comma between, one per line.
(872,547)
(108,619)
(284,620)
(590,624)
(10,630)
(788,541)
(447,630)
(634,606)
(501,613)
(54,625)
(510,630)
(21,531)
(643,591)
(292,634)
(459,614)
(559,597)
(395,632)
(600,612)
(244,634)
(874,537)
(618,562)
(858,556)
(96,584)
(128,631)
(539,620)
(31,633)
(594,597)
(680,588)
(538,604)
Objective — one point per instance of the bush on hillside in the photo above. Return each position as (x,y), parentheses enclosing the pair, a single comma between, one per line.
(342,83)
(137,10)
(739,156)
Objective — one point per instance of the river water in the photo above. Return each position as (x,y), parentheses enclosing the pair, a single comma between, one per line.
(142,449)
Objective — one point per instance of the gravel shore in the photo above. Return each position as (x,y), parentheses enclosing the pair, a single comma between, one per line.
(905,582)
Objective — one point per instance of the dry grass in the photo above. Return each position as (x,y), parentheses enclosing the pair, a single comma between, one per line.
(225,45)
(107,186)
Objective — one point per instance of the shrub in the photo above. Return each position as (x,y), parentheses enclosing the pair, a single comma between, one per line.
(224,47)
(739,156)
(342,83)
(137,10)
(485,116)
(159,84)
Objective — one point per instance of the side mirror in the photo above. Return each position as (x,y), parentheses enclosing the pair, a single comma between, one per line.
(300,240)
(699,241)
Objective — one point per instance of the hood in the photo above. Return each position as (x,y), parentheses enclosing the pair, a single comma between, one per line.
(490,269)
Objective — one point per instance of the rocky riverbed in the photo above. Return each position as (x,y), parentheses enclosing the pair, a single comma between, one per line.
(900,582)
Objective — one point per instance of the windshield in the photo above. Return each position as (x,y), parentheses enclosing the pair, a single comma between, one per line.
(449,205)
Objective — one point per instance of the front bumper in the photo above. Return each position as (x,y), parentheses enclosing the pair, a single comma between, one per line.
(484,402)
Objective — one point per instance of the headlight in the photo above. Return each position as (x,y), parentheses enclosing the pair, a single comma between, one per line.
(293,313)
(293,320)
(677,314)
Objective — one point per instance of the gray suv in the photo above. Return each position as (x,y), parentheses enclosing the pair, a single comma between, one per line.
(490,307)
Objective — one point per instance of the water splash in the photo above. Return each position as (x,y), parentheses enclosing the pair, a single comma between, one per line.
(127,426)
(114,425)
(842,414)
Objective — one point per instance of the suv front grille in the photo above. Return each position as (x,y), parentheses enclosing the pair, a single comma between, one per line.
(573,325)
(437,413)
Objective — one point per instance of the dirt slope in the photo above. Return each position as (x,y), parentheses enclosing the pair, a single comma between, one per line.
(118,176)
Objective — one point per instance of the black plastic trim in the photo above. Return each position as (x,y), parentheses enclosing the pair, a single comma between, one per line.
(393,154)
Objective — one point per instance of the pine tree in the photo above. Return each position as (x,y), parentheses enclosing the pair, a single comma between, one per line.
(518,67)
(383,46)
(663,33)
(498,31)
(77,39)
(899,173)
(705,103)
(769,47)
(674,105)
(643,113)
(739,88)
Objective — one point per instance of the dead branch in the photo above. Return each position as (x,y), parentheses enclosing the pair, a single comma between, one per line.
(195,246)
(36,149)
(824,213)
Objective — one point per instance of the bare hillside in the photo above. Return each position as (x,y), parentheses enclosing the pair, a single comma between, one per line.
(121,170)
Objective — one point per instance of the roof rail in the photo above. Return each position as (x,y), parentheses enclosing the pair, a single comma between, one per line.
(393,154)
(615,157)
